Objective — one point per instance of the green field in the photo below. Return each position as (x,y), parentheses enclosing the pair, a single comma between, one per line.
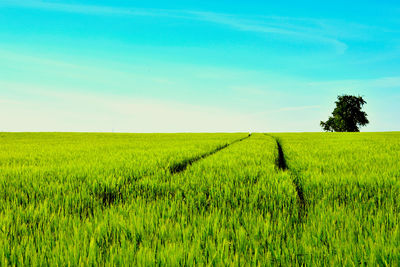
(200,199)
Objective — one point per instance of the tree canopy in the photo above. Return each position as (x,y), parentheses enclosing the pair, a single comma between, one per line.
(347,116)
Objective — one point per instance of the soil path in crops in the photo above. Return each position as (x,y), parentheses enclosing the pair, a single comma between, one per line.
(181,166)
(109,195)
(282,165)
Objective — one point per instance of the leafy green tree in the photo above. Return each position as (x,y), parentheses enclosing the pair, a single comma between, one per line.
(347,116)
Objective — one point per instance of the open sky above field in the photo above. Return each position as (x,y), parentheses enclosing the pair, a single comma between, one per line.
(203,66)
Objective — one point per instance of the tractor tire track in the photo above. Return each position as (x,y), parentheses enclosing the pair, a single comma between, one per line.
(183,165)
(282,165)
(109,195)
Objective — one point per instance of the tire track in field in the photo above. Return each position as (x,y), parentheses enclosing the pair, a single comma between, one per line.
(108,195)
(183,165)
(178,168)
(282,165)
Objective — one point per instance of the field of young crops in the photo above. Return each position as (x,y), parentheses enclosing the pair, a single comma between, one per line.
(196,199)
(351,188)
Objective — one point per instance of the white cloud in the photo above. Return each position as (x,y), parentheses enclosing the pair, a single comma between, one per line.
(299,108)
(301,29)
(276,26)
(84,9)
(29,107)
(359,84)
(46,110)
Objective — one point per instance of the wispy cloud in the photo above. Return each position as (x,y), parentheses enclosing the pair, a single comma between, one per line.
(46,109)
(284,109)
(302,29)
(276,26)
(84,9)
(299,108)
(378,83)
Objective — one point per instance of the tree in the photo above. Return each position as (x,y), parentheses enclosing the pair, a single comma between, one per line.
(347,116)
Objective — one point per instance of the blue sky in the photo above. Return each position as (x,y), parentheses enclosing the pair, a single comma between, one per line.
(167,66)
